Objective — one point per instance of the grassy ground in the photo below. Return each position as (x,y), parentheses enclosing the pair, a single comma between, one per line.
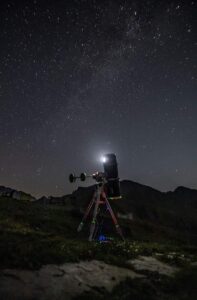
(32,235)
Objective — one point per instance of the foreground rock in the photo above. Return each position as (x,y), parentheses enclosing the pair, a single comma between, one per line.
(151,264)
(61,282)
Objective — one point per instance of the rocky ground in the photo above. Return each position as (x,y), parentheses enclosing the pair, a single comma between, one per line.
(69,280)
(88,279)
(62,281)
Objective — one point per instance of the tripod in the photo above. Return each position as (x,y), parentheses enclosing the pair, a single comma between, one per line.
(99,197)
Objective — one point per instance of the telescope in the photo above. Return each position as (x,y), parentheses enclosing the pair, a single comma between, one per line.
(109,177)
(107,188)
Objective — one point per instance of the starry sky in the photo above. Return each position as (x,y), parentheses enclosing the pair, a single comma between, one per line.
(81,78)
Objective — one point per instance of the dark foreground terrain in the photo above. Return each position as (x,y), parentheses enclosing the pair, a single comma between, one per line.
(41,251)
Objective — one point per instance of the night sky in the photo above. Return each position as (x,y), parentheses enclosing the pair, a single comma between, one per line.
(82,78)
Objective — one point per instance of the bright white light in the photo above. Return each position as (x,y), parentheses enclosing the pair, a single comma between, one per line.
(103,159)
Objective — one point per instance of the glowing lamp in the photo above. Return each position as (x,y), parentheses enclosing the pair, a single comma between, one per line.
(103,159)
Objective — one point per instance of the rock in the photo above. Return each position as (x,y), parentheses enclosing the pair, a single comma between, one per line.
(151,264)
(14,194)
(5,191)
(64,200)
(43,200)
(128,216)
(61,282)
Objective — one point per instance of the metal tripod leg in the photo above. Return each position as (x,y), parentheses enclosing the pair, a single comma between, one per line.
(118,229)
(93,224)
(98,198)
(87,212)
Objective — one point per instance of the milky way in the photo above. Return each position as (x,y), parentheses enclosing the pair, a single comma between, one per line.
(82,78)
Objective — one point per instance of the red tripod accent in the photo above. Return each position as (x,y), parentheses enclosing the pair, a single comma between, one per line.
(98,198)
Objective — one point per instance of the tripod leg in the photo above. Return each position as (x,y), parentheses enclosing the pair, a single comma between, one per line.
(93,224)
(86,213)
(118,229)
